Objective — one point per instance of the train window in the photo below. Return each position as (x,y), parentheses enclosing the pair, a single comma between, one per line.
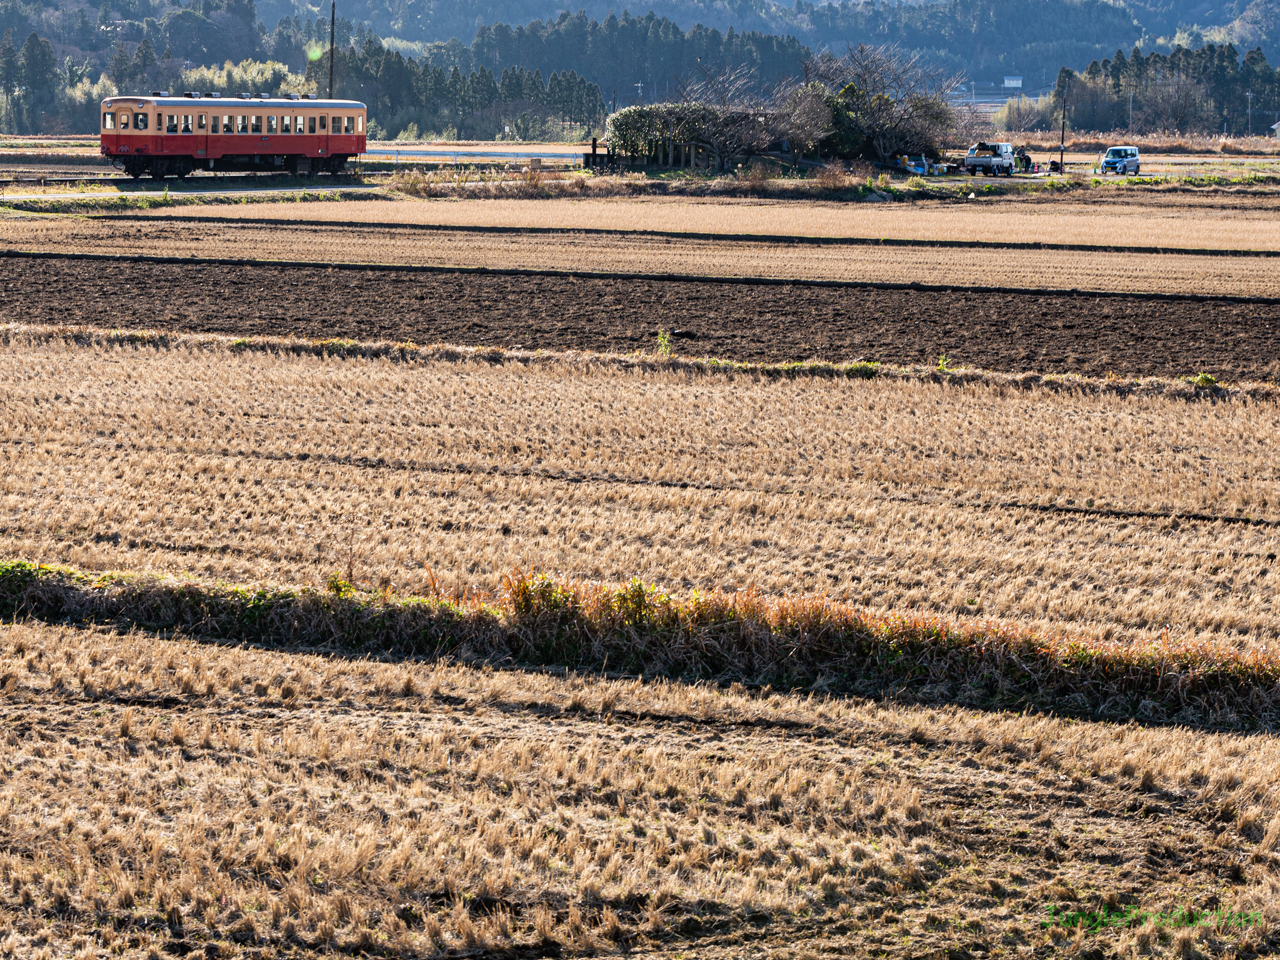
(271,124)
(255,124)
(108,121)
(350,126)
(186,123)
(140,121)
(171,123)
(336,128)
(242,124)
(323,122)
(201,121)
(124,121)
(286,125)
(360,123)
(215,126)
(159,122)
(228,125)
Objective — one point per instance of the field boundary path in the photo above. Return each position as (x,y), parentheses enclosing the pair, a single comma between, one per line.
(717,237)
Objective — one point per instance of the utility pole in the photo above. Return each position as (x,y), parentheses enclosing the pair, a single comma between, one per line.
(333,13)
(1131,110)
(1062,143)
(1250,96)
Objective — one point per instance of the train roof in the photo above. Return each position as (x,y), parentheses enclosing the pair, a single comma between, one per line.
(164,100)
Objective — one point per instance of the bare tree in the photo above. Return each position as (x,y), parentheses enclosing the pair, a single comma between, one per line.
(1176,103)
(1022,115)
(734,115)
(896,102)
(801,115)
(968,124)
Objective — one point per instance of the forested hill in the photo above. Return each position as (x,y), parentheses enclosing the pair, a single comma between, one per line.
(983,39)
(978,37)
(816,25)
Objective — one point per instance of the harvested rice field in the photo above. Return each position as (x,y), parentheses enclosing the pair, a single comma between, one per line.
(164,798)
(621,254)
(1071,511)
(1247,221)
(359,611)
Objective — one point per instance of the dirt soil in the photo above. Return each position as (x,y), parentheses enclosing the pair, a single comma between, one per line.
(1047,333)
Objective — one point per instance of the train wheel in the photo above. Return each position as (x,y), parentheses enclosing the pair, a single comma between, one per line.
(158,169)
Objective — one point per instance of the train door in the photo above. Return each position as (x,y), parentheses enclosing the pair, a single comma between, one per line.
(140,123)
(156,141)
(201,134)
(323,135)
(167,131)
(110,129)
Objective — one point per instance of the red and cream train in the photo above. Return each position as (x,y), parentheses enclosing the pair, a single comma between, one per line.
(162,135)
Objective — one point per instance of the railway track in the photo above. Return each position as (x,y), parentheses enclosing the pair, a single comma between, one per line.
(121,179)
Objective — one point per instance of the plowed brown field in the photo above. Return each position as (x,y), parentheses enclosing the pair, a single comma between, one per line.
(642,254)
(1049,333)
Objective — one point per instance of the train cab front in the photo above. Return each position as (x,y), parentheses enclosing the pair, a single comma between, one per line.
(126,134)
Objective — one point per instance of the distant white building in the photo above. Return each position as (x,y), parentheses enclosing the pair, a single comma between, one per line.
(1275,128)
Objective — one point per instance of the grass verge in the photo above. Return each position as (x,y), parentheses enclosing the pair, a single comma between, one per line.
(797,642)
(307,192)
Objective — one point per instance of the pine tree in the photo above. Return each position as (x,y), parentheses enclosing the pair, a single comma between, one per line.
(120,66)
(8,64)
(144,58)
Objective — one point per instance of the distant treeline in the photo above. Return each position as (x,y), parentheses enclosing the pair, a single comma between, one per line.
(1203,91)
(418,99)
(1188,91)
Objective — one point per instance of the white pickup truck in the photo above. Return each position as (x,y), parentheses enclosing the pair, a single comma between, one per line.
(992,159)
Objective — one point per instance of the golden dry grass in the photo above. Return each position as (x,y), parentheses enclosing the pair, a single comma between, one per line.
(163,797)
(1186,221)
(1134,273)
(894,493)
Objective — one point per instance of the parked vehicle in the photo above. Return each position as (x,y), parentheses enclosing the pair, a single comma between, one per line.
(992,159)
(1123,161)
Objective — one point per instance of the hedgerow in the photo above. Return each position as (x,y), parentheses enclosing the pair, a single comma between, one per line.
(805,642)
